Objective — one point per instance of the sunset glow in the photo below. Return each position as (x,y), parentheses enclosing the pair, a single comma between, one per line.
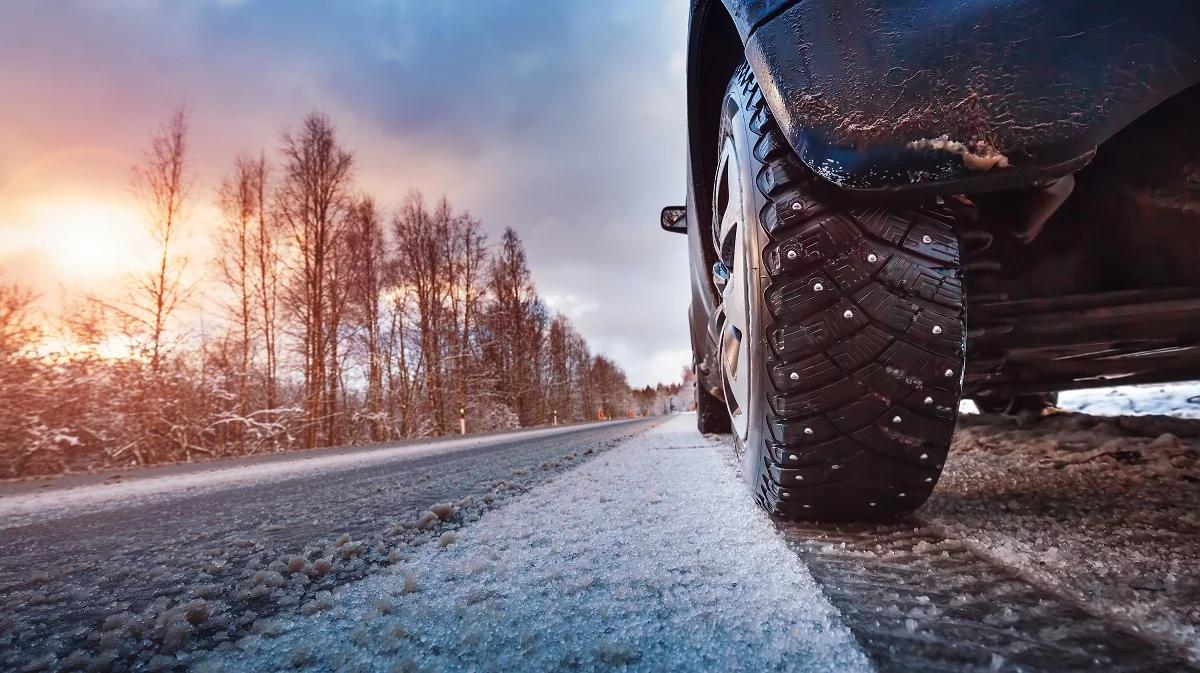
(86,86)
(85,239)
(110,348)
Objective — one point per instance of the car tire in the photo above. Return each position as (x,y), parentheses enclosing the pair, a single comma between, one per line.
(843,373)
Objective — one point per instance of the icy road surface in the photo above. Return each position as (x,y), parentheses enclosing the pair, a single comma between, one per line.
(174,560)
(157,484)
(648,558)
(1065,543)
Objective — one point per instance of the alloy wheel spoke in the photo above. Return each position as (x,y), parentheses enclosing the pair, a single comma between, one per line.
(731,248)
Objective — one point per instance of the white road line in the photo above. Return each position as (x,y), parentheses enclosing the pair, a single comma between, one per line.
(26,508)
(651,557)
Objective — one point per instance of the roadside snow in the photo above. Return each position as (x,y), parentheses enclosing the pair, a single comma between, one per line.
(26,508)
(1173,399)
(1170,399)
(651,557)
(1105,508)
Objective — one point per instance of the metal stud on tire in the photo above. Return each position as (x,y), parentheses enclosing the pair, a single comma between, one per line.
(842,335)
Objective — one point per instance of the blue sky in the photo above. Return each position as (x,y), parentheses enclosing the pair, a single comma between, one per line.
(563,119)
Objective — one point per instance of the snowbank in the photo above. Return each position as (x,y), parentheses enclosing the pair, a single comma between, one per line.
(1170,399)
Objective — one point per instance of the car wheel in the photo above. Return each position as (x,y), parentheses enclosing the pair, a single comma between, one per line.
(842,337)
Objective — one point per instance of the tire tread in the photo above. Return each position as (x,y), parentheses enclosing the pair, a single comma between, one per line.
(834,450)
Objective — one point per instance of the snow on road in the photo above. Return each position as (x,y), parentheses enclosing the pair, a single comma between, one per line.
(651,557)
(25,508)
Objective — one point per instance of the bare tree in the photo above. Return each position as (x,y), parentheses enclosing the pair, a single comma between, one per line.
(614,397)
(18,330)
(580,357)
(364,245)
(163,185)
(420,268)
(265,260)
(516,322)
(468,258)
(439,259)
(238,198)
(400,390)
(558,387)
(24,399)
(340,270)
(311,200)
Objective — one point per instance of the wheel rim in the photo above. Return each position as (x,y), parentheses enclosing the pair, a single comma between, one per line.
(736,327)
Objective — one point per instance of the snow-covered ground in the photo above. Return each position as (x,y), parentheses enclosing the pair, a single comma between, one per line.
(1106,508)
(1169,399)
(649,558)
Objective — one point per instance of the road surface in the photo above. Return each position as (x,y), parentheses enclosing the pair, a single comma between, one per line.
(620,546)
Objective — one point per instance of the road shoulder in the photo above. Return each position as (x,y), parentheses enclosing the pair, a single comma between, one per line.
(651,557)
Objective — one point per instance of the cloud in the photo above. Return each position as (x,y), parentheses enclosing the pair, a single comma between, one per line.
(563,119)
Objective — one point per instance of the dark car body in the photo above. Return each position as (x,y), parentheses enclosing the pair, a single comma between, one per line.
(920,98)
(864,89)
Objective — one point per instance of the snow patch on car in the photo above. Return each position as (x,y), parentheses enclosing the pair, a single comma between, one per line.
(976,155)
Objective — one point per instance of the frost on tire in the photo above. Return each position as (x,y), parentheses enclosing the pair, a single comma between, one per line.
(856,322)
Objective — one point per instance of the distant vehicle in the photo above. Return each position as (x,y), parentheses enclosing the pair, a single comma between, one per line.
(893,205)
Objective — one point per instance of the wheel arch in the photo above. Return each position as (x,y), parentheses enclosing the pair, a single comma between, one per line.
(715,50)
(928,97)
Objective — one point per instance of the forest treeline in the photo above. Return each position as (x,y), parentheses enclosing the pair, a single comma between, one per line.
(341,321)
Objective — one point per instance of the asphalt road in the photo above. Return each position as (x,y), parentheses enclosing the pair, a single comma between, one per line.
(128,551)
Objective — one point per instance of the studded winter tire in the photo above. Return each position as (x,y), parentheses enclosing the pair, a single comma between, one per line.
(841,329)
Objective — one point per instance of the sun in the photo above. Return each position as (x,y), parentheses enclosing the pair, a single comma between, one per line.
(84,239)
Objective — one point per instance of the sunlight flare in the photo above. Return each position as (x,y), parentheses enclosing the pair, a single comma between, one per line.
(85,238)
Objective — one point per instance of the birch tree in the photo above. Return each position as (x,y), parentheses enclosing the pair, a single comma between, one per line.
(311,201)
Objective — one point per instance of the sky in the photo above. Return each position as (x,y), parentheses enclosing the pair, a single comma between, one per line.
(563,119)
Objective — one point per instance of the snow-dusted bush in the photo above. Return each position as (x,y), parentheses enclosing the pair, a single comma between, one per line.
(496,416)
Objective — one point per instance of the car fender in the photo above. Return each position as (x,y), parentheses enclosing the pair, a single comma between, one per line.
(962,95)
